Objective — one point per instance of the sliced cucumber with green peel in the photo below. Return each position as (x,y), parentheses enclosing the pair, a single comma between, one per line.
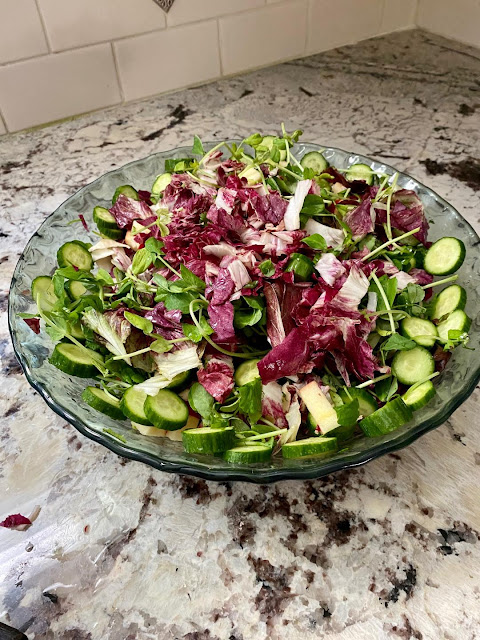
(75,360)
(125,190)
(246,372)
(106,223)
(75,289)
(310,447)
(418,397)
(366,403)
(388,418)
(74,254)
(423,332)
(166,410)
(413,366)
(248,454)
(43,292)
(456,321)
(161,183)
(360,172)
(132,405)
(314,160)
(101,401)
(444,257)
(181,381)
(447,301)
(208,440)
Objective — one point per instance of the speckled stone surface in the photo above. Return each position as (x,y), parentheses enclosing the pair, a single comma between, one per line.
(121,551)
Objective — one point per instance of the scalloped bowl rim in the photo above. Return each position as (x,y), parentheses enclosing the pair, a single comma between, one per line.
(253,475)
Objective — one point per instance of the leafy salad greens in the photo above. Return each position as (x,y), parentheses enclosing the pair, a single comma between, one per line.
(255,303)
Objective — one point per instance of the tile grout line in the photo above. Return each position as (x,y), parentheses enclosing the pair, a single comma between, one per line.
(117,73)
(44,27)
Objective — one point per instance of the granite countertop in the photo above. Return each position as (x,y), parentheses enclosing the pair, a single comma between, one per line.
(121,551)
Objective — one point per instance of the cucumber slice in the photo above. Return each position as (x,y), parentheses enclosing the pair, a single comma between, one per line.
(75,289)
(99,400)
(419,330)
(43,293)
(360,172)
(76,330)
(391,416)
(248,454)
(166,410)
(125,190)
(418,397)
(181,381)
(444,257)
(450,299)
(246,372)
(458,321)
(73,254)
(314,160)
(340,433)
(413,366)
(161,183)
(75,360)
(310,447)
(107,224)
(132,405)
(208,440)
(366,403)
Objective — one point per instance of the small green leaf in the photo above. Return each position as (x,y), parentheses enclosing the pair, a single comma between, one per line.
(55,333)
(201,401)
(347,414)
(256,302)
(398,343)
(250,399)
(455,334)
(313,205)
(104,277)
(254,140)
(191,279)
(160,345)
(316,241)
(139,322)
(180,301)
(192,332)
(244,319)
(197,148)
(154,246)
(267,268)
(141,261)
(386,389)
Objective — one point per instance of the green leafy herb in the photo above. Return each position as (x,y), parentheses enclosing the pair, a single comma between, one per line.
(141,261)
(250,399)
(316,241)
(202,402)
(267,268)
(160,345)
(198,149)
(347,414)
(398,343)
(244,319)
(192,332)
(386,389)
(191,280)
(154,246)
(313,205)
(103,277)
(144,324)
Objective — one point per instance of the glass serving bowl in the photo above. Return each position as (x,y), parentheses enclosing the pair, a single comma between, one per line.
(63,393)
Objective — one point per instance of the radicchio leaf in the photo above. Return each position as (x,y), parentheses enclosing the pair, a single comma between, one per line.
(217,377)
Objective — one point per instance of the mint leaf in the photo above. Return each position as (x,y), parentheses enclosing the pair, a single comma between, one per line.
(316,241)
(144,324)
(398,343)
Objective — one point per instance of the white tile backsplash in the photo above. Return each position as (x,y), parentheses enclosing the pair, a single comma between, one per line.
(21,32)
(250,40)
(58,85)
(345,21)
(194,10)
(459,20)
(75,23)
(170,59)
(144,51)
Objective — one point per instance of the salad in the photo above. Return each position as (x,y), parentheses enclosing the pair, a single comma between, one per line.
(254,303)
